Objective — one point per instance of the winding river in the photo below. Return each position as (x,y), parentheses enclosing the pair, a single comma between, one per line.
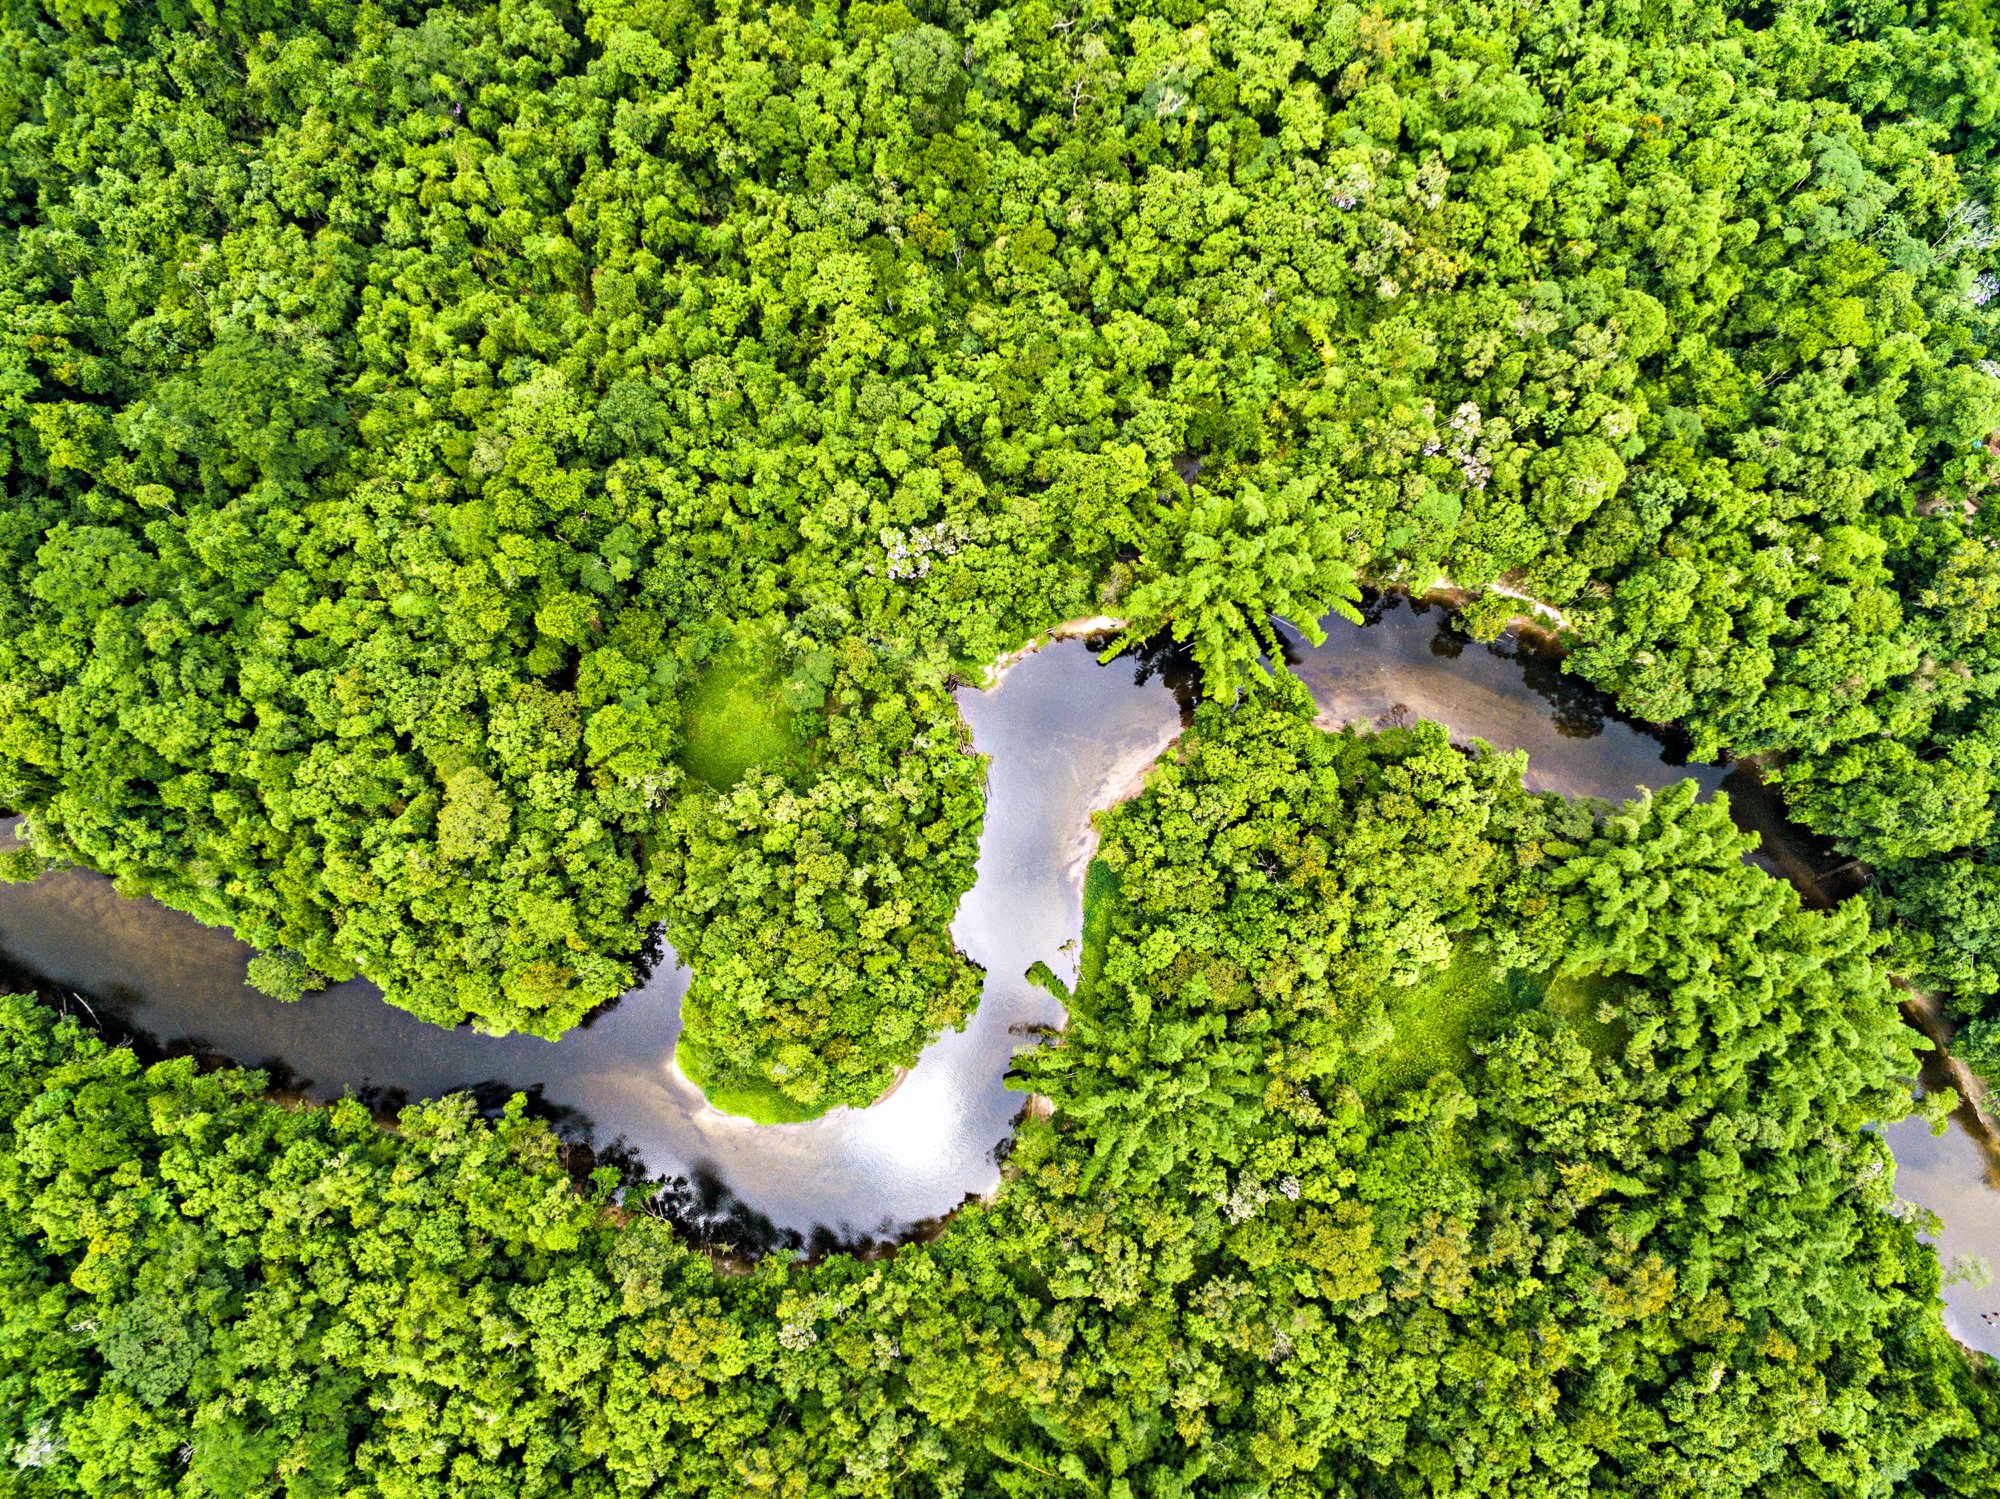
(1065,736)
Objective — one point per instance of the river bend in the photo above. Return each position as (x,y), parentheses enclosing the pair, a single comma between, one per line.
(1065,736)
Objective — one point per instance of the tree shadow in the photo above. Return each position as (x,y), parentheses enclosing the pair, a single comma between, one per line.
(1576,709)
(1165,660)
(645,963)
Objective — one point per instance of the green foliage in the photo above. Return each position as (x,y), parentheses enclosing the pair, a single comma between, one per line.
(210,1293)
(1045,978)
(1590,1004)
(1968,1461)
(282,975)
(397,401)
(745,1092)
(1235,1259)
(1100,909)
(1213,1132)
(816,896)
(1236,563)
(1434,1019)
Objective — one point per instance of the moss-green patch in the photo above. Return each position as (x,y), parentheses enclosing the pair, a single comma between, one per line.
(757,1099)
(1582,1000)
(1435,1018)
(735,716)
(1100,906)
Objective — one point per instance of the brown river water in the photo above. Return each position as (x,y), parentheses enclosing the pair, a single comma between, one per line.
(1065,736)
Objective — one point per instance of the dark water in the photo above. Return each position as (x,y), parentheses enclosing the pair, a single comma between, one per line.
(1065,736)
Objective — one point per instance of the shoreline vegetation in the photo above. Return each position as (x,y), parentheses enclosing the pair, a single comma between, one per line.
(1926,1012)
(760,1105)
(1451,1003)
(1083,627)
(817,891)
(761,1102)
(768,1106)
(742,1099)
(1927,1015)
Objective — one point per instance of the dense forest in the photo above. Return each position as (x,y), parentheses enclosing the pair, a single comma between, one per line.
(1412,1135)
(415,417)
(485,482)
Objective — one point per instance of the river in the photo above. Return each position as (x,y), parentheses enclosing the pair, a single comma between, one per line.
(1064,736)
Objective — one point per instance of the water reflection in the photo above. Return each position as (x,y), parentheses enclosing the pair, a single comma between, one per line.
(1407,661)
(1162,659)
(1956,1176)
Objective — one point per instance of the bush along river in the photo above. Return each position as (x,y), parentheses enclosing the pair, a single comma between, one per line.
(1065,736)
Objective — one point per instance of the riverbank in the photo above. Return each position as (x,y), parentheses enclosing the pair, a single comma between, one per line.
(755,1100)
(1544,619)
(1082,628)
(1925,1014)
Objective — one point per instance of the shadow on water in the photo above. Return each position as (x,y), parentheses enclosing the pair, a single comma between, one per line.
(1578,710)
(702,1208)
(1163,660)
(1376,605)
(1409,660)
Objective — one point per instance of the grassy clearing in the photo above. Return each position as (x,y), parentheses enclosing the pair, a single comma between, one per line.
(1435,1020)
(1579,1001)
(755,1099)
(734,717)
